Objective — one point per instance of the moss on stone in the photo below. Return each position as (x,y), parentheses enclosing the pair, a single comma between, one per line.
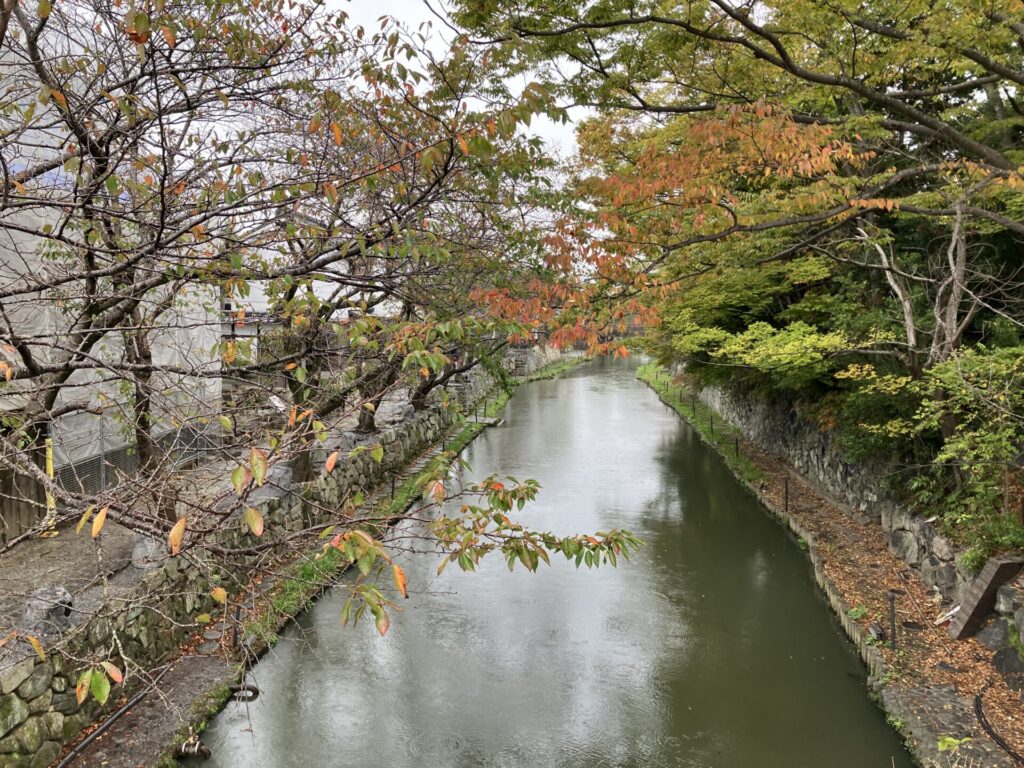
(714,431)
(1013,633)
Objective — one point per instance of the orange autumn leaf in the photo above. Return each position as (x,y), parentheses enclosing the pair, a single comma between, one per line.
(82,686)
(175,537)
(254,520)
(399,576)
(331,461)
(36,646)
(98,521)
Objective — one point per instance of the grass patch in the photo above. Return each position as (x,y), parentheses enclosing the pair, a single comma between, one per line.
(713,428)
(300,582)
(304,579)
(554,370)
(202,710)
(1014,637)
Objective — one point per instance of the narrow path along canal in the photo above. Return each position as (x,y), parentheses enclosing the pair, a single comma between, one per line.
(712,648)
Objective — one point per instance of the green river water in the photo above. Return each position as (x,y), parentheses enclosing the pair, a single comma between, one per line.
(712,648)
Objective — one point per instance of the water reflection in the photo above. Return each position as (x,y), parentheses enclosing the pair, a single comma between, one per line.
(712,648)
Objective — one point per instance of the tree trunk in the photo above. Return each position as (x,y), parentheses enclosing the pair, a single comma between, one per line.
(947,426)
(419,396)
(367,418)
(140,354)
(301,462)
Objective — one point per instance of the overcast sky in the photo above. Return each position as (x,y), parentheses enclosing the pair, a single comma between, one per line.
(559,138)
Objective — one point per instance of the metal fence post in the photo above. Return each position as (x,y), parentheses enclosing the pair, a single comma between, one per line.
(892,619)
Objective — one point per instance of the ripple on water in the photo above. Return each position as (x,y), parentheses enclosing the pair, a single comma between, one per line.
(559,670)
(439,747)
(452,629)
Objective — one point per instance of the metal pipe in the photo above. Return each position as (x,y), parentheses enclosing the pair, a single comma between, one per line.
(70,757)
(194,748)
(234,627)
(247,688)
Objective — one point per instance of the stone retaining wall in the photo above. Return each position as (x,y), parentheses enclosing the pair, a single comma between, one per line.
(923,713)
(522,361)
(38,709)
(39,712)
(777,427)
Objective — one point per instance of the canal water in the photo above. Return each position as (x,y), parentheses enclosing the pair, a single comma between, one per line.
(712,648)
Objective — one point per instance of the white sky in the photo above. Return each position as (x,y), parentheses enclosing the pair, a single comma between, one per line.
(559,138)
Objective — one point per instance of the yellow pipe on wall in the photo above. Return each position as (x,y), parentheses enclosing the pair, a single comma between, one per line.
(50,521)
(51,503)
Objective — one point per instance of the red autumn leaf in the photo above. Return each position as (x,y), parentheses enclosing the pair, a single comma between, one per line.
(112,672)
(437,491)
(382,622)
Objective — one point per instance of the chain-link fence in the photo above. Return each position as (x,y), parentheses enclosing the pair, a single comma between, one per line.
(110,466)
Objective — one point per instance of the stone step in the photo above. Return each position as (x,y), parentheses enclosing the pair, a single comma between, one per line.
(981,597)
